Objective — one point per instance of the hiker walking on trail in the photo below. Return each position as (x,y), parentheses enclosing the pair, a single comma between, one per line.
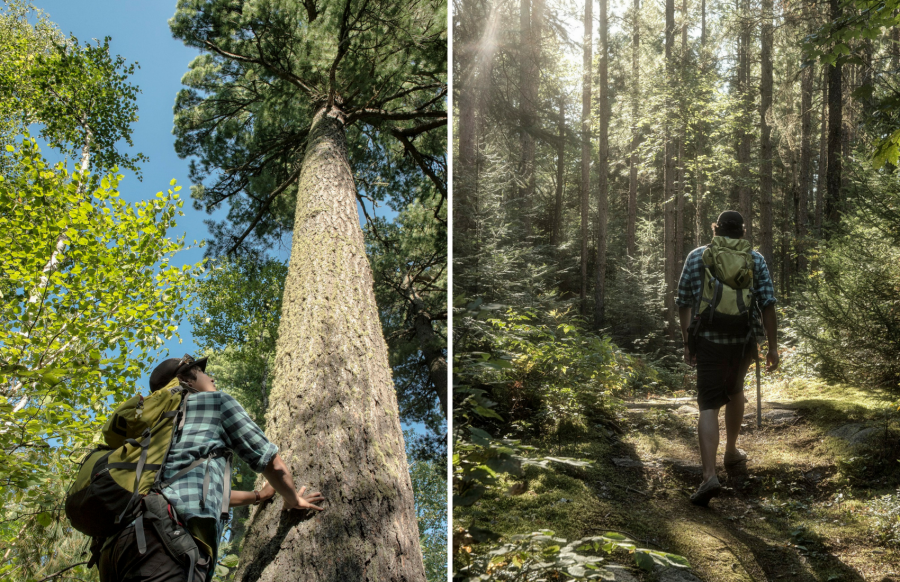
(138,509)
(725,301)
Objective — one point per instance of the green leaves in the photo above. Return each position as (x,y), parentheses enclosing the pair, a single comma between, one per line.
(541,555)
(78,281)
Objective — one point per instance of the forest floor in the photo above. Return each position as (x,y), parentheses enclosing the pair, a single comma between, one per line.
(799,513)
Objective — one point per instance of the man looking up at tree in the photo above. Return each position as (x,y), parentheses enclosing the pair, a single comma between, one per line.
(722,343)
(213,421)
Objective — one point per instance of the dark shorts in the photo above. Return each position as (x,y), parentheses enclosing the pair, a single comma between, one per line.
(121,562)
(720,372)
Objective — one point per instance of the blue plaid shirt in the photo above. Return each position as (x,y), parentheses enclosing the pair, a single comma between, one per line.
(690,289)
(212,420)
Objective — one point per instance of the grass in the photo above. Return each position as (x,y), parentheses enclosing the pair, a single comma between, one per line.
(802,514)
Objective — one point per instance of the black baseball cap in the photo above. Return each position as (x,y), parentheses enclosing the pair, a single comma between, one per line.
(168,369)
(731,221)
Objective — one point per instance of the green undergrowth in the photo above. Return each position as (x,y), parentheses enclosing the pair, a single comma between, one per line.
(814,506)
(535,399)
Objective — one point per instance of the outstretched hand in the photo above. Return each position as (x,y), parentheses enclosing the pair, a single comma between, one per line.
(304,500)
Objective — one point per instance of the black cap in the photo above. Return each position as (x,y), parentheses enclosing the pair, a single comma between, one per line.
(168,369)
(730,222)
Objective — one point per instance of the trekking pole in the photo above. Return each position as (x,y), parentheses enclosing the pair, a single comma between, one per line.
(758,394)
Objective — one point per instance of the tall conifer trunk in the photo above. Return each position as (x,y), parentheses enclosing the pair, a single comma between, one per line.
(669,177)
(560,173)
(835,142)
(744,136)
(333,411)
(528,80)
(699,227)
(681,173)
(806,89)
(765,142)
(635,134)
(464,164)
(586,144)
(602,171)
(823,156)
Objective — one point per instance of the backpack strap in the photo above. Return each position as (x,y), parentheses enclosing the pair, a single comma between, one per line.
(139,534)
(213,454)
(144,445)
(226,494)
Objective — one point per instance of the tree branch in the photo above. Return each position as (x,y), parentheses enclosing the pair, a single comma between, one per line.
(265,207)
(421,162)
(425,127)
(293,79)
(374,114)
(44,579)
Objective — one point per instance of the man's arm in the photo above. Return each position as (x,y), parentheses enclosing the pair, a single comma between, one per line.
(280,478)
(770,324)
(247,440)
(239,498)
(684,316)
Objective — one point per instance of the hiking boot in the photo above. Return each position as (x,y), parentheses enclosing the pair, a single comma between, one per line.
(733,460)
(709,489)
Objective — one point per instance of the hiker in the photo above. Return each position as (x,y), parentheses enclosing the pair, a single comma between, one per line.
(212,420)
(722,343)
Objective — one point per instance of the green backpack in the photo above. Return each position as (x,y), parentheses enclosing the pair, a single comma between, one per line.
(121,480)
(726,302)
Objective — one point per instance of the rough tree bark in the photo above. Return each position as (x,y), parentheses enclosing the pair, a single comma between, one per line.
(333,410)
(602,171)
(586,145)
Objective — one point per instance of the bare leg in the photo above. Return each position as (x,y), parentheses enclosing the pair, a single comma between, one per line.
(708,432)
(734,411)
(734,415)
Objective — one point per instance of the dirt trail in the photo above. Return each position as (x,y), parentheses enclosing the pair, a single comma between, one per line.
(800,513)
(788,517)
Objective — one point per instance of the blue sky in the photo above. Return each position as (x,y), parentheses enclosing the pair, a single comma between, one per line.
(140,33)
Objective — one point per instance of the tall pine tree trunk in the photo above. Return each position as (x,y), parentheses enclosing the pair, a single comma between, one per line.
(560,173)
(333,411)
(680,169)
(631,223)
(699,201)
(835,142)
(527,98)
(669,177)
(464,166)
(823,156)
(802,230)
(744,137)
(765,142)
(602,170)
(586,145)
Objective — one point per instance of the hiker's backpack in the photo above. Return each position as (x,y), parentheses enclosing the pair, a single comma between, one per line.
(726,302)
(121,481)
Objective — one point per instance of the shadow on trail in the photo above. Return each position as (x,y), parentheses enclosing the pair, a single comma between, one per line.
(737,537)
